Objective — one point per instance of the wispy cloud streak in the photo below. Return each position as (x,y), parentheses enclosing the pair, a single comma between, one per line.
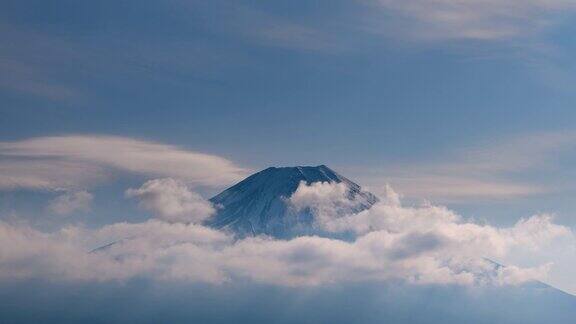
(82,160)
(496,169)
(474,19)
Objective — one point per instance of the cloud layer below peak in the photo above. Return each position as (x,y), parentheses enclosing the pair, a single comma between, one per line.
(419,245)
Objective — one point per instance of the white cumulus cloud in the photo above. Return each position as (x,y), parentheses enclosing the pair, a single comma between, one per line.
(323,198)
(70,202)
(171,200)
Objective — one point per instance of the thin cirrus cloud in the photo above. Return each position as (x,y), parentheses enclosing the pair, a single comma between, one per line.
(474,19)
(495,170)
(27,72)
(79,161)
(270,30)
(20,78)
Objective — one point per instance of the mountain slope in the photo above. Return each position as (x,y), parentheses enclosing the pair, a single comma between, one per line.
(257,205)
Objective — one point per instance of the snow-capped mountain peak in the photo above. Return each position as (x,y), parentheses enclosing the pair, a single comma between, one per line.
(258,204)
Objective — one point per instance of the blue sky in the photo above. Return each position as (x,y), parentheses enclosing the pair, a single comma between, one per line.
(465,104)
(355,85)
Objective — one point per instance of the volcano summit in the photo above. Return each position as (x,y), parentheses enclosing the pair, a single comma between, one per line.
(259,204)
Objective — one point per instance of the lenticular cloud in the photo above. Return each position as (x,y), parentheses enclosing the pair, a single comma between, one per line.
(420,245)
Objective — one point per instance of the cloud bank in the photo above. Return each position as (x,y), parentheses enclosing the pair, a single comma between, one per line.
(419,245)
(77,161)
